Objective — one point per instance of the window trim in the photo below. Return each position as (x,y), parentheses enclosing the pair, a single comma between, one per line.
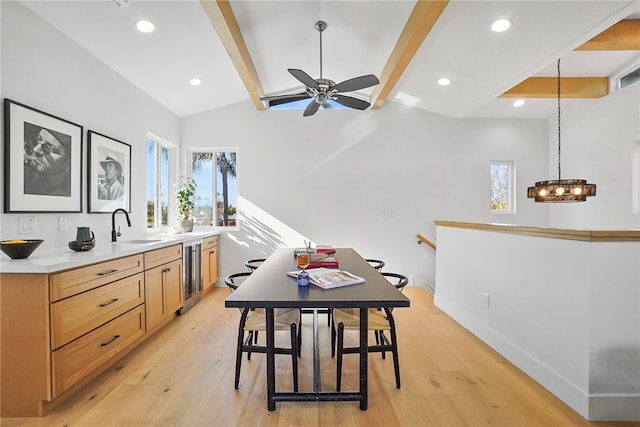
(512,186)
(171,208)
(188,168)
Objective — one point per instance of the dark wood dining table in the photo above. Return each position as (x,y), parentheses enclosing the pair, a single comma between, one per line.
(269,287)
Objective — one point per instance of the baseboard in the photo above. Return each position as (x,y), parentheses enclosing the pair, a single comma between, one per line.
(614,408)
(419,282)
(555,383)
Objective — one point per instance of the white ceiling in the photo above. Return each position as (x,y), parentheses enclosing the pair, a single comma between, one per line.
(359,38)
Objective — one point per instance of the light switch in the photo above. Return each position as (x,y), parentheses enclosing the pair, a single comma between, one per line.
(62,223)
(28,225)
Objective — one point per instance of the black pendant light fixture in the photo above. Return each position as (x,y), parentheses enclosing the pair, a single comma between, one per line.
(561,190)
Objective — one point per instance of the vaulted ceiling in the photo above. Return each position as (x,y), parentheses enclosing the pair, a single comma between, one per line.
(242,49)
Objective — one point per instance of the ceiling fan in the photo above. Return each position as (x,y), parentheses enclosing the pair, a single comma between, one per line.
(322,90)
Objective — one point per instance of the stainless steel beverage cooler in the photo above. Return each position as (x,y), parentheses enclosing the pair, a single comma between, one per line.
(192,268)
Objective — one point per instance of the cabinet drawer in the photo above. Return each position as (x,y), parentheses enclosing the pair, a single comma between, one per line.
(75,316)
(79,358)
(162,256)
(209,242)
(72,282)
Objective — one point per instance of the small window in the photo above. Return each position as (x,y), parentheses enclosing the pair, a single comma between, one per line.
(159,170)
(215,172)
(502,187)
(630,78)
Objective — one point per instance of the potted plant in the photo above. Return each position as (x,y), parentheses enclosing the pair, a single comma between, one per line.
(185,199)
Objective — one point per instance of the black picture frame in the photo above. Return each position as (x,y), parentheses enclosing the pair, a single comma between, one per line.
(109,177)
(42,161)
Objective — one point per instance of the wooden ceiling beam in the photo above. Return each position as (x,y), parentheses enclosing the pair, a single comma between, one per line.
(420,22)
(224,21)
(625,35)
(571,87)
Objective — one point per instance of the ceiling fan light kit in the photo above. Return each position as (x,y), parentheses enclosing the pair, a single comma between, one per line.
(321,91)
(561,190)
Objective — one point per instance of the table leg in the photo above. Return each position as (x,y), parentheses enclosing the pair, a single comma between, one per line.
(316,353)
(271,360)
(364,344)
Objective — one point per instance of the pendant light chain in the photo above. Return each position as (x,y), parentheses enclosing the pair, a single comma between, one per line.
(559,152)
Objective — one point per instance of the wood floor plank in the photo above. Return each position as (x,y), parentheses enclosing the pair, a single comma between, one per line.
(183,376)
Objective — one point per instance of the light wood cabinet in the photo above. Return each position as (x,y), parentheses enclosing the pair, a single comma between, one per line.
(164,293)
(209,263)
(74,361)
(75,316)
(62,329)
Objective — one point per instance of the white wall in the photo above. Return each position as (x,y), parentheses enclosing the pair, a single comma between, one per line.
(329,178)
(43,69)
(598,139)
(566,312)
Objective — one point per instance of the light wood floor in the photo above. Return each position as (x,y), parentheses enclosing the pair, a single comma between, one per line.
(183,376)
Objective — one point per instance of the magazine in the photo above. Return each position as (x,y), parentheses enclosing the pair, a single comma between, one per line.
(328,278)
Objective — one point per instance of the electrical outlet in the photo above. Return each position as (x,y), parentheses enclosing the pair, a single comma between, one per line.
(28,225)
(487,299)
(62,223)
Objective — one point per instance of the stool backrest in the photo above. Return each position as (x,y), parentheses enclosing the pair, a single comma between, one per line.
(376,263)
(396,279)
(235,279)
(253,264)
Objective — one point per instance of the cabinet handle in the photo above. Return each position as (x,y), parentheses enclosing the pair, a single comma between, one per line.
(104,304)
(104,273)
(115,337)
(166,270)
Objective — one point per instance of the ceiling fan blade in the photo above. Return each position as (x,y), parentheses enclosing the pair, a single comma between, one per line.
(288,95)
(275,102)
(311,109)
(304,78)
(356,83)
(349,101)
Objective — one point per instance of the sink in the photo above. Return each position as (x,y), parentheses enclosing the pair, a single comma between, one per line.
(141,241)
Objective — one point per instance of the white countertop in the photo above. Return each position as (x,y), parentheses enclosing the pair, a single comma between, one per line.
(57,259)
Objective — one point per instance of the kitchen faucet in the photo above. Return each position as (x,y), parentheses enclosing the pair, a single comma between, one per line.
(114,234)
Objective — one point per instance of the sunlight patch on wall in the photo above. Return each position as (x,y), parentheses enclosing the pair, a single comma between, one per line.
(261,229)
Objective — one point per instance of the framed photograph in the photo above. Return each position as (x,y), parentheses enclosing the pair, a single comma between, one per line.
(42,161)
(109,173)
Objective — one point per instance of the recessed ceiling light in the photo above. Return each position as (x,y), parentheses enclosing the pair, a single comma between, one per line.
(195,82)
(500,25)
(444,81)
(145,26)
(519,103)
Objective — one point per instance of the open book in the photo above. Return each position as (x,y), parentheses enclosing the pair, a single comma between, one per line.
(328,278)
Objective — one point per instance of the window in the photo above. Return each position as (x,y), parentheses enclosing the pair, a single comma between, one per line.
(302,104)
(159,170)
(502,187)
(630,78)
(215,172)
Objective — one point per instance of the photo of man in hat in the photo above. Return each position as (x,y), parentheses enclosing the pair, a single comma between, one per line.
(112,186)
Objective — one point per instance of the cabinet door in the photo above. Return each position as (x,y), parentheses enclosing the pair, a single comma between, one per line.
(206,281)
(209,267)
(174,290)
(154,296)
(213,265)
